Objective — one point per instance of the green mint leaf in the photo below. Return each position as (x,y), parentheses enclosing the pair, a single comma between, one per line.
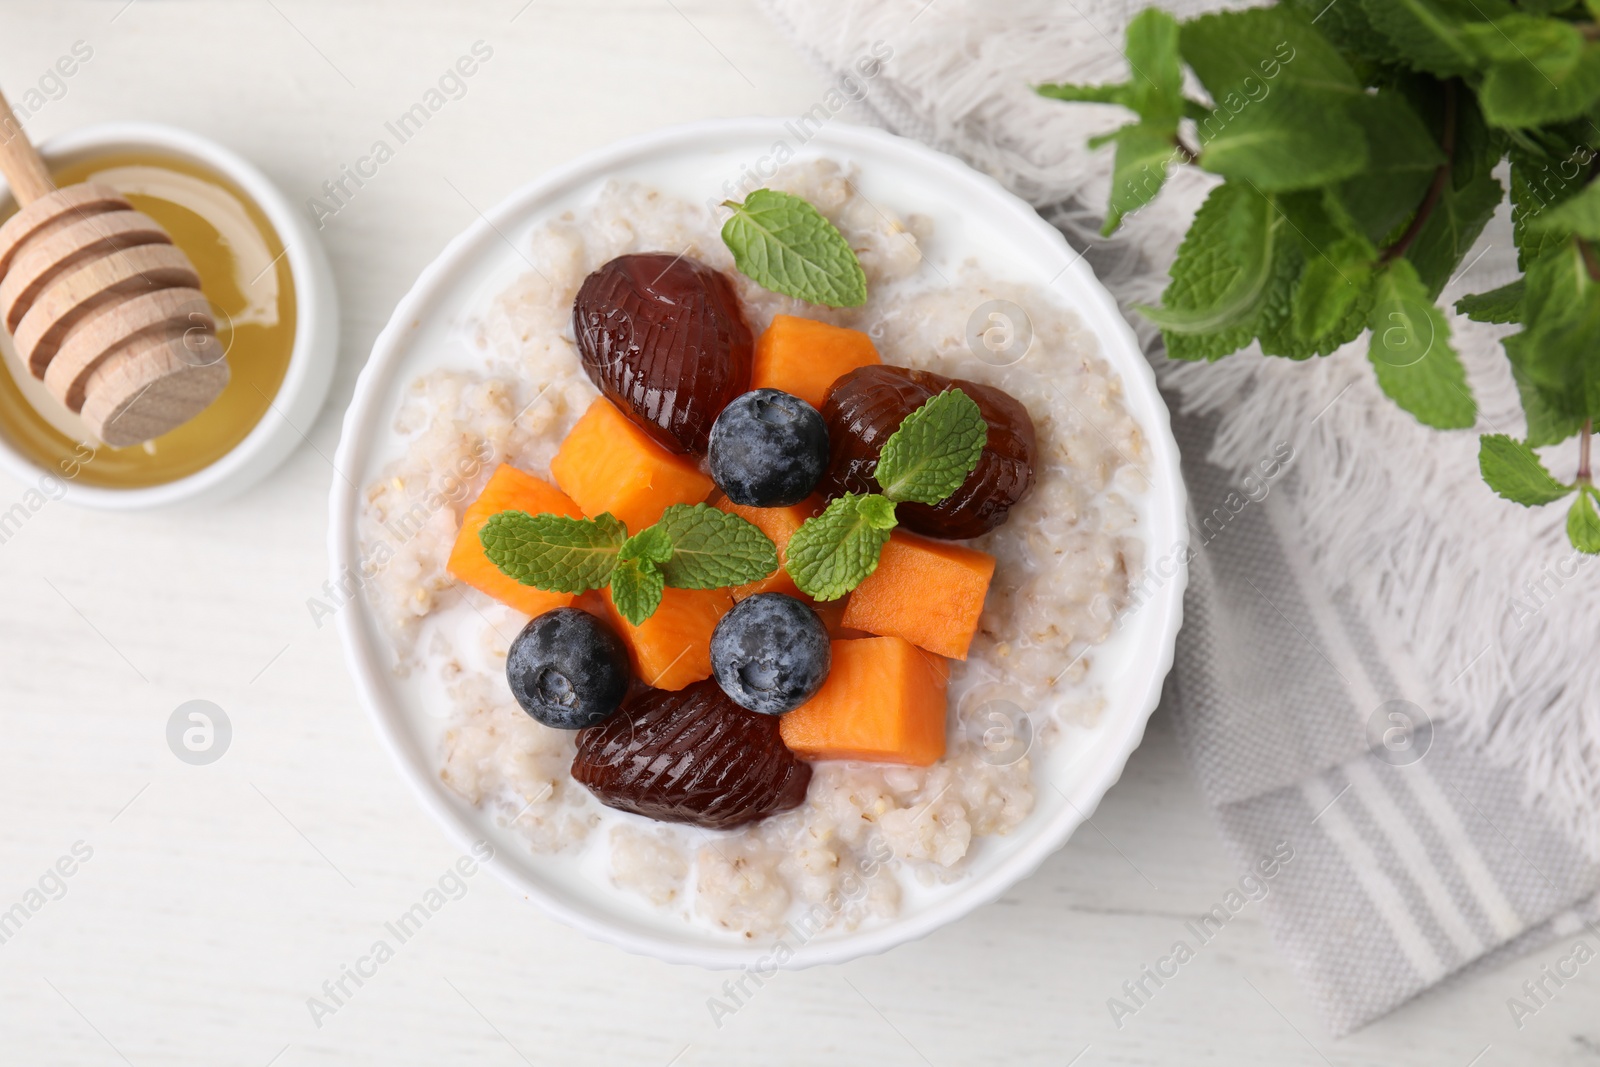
(1321,225)
(636,587)
(1457,220)
(1579,215)
(1326,293)
(1120,93)
(1143,154)
(1273,322)
(1539,186)
(1220,276)
(1294,138)
(1292,275)
(834,552)
(782,243)
(1348,27)
(1236,53)
(651,544)
(1478,149)
(1547,425)
(1426,35)
(1516,93)
(1402,158)
(1583,524)
(1497,305)
(1280,93)
(1411,352)
(554,552)
(877,511)
(1540,69)
(1551,46)
(1513,470)
(934,449)
(1155,79)
(712,548)
(1555,352)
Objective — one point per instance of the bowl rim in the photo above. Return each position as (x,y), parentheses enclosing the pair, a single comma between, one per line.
(1113,331)
(306,378)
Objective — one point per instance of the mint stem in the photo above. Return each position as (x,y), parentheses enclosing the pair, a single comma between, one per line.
(1590,263)
(1584,477)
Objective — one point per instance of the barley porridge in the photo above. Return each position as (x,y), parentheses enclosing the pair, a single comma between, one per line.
(1065,562)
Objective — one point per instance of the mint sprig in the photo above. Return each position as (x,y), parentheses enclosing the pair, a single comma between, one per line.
(1513,469)
(928,457)
(834,552)
(782,243)
(690,547)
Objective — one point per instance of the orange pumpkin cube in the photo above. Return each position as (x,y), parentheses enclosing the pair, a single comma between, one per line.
(608,464)
(804,357)
(672,648)
(508,489)
(779,524)
(884,701)
(928,592)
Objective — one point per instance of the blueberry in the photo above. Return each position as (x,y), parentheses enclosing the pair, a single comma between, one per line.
(568,669)
(768,449)
(770,653)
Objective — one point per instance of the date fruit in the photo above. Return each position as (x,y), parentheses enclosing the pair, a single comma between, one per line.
(868,404)
(691,756)
(663,337)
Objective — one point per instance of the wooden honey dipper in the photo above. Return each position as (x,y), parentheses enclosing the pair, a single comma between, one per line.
(102,306)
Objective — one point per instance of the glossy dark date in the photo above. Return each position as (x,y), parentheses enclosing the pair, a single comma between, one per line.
(691,756)
(663,337)
(867,405)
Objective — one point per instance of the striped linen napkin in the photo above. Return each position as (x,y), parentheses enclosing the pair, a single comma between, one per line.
(1400,855)
(1414,856)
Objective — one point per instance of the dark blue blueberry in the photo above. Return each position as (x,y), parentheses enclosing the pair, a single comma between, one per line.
(568,669)
(768,449)
(770,653)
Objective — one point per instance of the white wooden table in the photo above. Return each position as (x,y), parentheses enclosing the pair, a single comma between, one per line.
(217,899)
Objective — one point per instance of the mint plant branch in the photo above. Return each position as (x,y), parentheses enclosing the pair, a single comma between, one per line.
(926,459)
(1358,146)
(690,547)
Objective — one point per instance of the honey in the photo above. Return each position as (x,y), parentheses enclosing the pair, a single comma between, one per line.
(245,275)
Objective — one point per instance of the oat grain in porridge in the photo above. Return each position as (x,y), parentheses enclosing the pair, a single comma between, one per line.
(1062,562)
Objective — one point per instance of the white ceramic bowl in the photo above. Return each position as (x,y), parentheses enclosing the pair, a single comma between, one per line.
(974,216)
(316,340)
